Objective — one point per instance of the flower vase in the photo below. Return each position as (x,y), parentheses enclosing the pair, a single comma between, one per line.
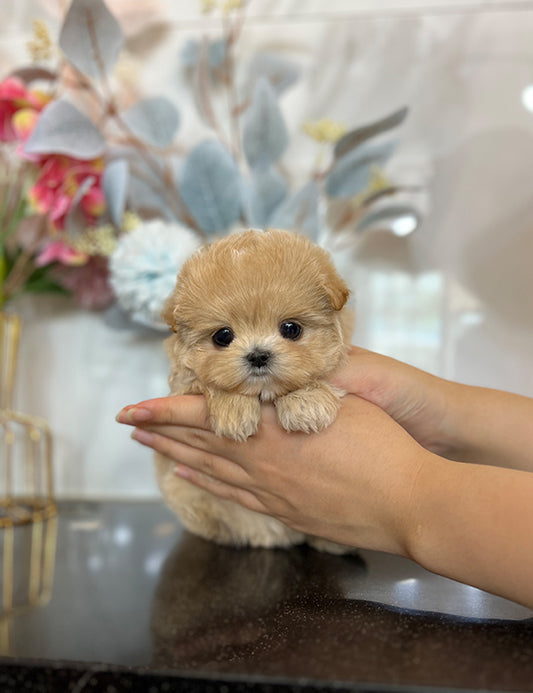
(28,522)
(9,344)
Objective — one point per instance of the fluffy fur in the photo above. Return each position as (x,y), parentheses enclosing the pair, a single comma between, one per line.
(257,316)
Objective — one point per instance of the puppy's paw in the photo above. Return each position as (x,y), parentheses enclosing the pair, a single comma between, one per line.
(332,547)
(233,416)
(309,409)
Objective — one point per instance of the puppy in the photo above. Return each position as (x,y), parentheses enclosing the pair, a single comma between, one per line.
(258,316)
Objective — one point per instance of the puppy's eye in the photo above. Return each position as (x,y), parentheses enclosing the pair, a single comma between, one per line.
(223,337)
(290,330)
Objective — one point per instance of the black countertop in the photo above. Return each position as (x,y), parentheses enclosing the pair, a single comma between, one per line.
(140,605)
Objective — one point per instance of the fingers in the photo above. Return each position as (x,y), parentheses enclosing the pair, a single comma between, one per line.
(217,475)
(185,419)
(185,410)
(206,462)
(219,488)
(194,437)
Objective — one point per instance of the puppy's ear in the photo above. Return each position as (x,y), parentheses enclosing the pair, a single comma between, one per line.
(168,311)
(336,290)
(171,311)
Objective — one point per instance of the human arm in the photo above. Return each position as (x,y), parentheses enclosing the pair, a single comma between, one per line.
(365,482)
(460,422)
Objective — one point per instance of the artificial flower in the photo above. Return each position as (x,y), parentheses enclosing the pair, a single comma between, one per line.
(96,240)
(40,46)
(144,267)
(23,122)
(60,251)
(324,130)
(64,182)
(14,97)
(89,284)
(213,185)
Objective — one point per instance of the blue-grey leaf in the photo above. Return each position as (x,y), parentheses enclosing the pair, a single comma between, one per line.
(115,184)
(265,192)
(63,129)
(190,53)
(146,190)
(211,187)
(351,173)
(218,51)
(143,197)
(400,219)
(354,138)
(91,37)
(264,132)
(300,212)
(154,120)
(280,72)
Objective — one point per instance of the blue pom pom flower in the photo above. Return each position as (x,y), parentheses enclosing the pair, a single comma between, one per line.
(144,266)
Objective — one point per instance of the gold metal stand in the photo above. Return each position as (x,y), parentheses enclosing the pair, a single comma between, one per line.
(28,514)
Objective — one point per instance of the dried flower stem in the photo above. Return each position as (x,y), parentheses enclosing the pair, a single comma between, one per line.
(233,32)
(203,95)
(109,109)
(19,274)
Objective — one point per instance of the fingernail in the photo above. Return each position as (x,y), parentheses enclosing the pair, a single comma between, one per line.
(140,415)
(134,415)
(142,436)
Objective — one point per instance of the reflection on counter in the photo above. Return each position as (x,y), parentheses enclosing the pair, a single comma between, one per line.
(27,553)
(132,588)
(286,613)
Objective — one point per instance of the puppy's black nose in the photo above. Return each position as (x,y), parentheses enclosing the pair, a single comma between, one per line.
(258,358)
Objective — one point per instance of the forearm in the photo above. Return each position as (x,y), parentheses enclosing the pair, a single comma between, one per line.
(474,523)
(457,421)
(489,426)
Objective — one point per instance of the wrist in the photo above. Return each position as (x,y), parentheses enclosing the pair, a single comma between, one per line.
(429,502)
(409,509)
(453,437)
(463,515)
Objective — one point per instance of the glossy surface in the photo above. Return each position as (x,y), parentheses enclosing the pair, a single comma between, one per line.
(131,588)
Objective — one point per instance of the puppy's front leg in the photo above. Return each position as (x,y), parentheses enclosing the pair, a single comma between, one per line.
(233,416)
(309,409)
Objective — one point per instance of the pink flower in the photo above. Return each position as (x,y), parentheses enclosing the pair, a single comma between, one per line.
(23,122)
(64,182)
(93,202)
(14,98)
(89,283)
(59,251)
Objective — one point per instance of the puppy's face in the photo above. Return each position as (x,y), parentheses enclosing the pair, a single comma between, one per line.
(259,313)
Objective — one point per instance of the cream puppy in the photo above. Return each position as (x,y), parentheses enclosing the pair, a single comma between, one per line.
(258,316)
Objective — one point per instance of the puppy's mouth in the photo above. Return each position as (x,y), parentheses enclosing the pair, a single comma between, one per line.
(262,382)
(259,374)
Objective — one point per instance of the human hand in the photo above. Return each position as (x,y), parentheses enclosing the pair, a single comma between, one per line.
(459,422)
(352,483)
(421,403)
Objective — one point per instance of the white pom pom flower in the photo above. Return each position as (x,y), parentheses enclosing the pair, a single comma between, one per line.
(144,266)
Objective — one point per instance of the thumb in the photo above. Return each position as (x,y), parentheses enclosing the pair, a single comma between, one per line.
(178,410)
